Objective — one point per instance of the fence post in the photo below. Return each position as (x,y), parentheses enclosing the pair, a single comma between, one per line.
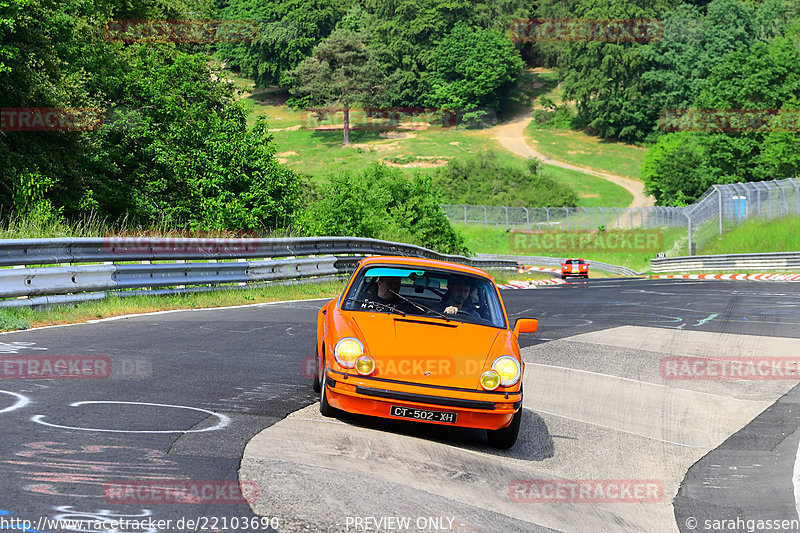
(769,199)
(689,219)
(465,213)
(506,210)
(548,218)
(602,217)
(585,219)
(567,212)
(485,217)
(796,195)
(527,218)
(617,210)
(719,207)
(758,201)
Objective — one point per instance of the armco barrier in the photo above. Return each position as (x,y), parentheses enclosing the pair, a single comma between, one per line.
(727,263)
(556,262)
(213,262)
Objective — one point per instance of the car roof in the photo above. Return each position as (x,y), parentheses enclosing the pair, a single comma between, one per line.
(418,261)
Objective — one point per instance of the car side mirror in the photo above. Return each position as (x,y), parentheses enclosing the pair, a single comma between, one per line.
(525,325)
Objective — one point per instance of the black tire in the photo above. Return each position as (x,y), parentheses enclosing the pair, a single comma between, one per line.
(506,437)
(317,386)
(324,407)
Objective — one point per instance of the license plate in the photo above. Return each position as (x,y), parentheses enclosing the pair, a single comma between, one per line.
(421,414)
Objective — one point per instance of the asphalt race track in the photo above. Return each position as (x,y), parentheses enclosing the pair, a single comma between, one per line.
(212,397)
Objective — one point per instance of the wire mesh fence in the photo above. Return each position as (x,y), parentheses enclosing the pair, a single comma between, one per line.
(720,208)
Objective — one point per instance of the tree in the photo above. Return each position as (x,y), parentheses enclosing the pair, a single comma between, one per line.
(342,70)
(469,67)
(675,170)
(288,30)
(605,78)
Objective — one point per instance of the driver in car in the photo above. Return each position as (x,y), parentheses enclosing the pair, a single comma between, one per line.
(457,298)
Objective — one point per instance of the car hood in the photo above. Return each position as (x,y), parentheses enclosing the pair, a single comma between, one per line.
(428,351)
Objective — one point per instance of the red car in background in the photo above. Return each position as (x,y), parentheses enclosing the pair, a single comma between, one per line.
(575,267)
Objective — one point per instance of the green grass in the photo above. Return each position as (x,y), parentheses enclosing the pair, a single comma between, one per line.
(580,149)
(319,153)
(21,318)
(576,147)
(499,240)
(757,236)
(591,190)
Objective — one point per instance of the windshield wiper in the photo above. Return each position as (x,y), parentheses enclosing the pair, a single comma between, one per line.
(423,308)
(380,304)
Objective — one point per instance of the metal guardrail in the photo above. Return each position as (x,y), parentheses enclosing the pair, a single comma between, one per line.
(731,262)
(556,262)
(215,262)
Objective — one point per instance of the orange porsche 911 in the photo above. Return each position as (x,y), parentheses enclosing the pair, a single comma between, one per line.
(422,340)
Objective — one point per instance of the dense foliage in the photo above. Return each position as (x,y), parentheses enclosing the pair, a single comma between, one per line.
(484,179)
(173,145)
(383,203)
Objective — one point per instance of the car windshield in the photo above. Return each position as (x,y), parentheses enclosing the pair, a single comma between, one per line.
(443,294)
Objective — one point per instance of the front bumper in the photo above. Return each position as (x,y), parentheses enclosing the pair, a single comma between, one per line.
(372,397)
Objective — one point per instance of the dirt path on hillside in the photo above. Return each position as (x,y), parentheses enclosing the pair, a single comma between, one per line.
(511,136)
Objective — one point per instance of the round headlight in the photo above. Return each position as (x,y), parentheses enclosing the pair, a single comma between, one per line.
(347,350)
(365,365)
(508,369)
(490,380)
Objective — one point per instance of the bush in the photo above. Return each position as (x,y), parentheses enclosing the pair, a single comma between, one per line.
(382,203)
(484,180)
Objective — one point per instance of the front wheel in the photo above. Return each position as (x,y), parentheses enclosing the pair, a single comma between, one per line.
(325,408)
(506,437)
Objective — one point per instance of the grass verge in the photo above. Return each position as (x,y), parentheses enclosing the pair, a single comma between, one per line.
(499,240)
(757,236)
(581,149)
